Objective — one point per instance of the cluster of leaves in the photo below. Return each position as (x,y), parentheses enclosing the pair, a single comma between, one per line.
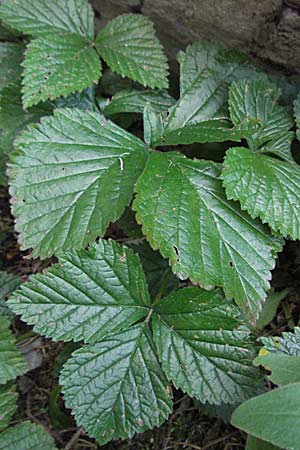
(220,225)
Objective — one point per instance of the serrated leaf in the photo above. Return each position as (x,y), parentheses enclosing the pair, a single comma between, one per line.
(201,114)
(129,46)
(87,295)
(273,417)
(26,436)
(12,363)
(58,65)
(135,100)
(285,369)
(43,18)
(288,344)
(265,187)
(153,126)
(258,100)
(8,400)
(84,100)
(116,387)
(8,283)
(13,118)
(202,349)
(73,174)
(11,56)
(185,214)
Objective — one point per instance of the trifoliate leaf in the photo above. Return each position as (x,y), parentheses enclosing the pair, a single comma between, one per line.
(129,46)
(8,399)
(73,174)
(257,100)
(45,18)
(26,436)
(285,369)
(134,101)
(273,417)
(13,118)
(12,363)
(153,126)
(201,114)
(11,56)
(202,349)
(185,214)
(8,283)
(58,65)
(288,344)
(265,187)
(116,387)
(89,294)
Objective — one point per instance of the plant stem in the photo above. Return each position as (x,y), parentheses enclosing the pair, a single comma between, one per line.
(164,283)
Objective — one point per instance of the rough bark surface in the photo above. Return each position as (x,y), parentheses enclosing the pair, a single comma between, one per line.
(267,29)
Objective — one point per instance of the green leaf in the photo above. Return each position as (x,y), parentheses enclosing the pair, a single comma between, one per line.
(254,443)
(13,118)
(84,100)
(265,187)
(44,18)
(288,344)
(8,400)
(202,347)
(129,46)
(135,100)
(8,283)
(11,56)
(153,126)
(129,226)
(116,387)
(257,100)
(285,369)
(270,307)
(26,436)
(58,65)
(12,363)
(273,417)
(155,267)
(201,114)
(89,294)
(185,214)
(73,174)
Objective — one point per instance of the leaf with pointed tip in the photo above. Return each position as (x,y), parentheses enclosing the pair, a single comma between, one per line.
(26,436)
(201,113)
(257,100)
(265,187)
(12,363)
(8,283)
(185,214)
(129,46)
(202,347)
(58,66)
(72,175)
(135,100)
(8,400)
(11,56)
(116,387)
(273,417)
(43,18)
(87,295)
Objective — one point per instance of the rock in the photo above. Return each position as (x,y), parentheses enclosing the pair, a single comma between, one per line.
(267,29)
